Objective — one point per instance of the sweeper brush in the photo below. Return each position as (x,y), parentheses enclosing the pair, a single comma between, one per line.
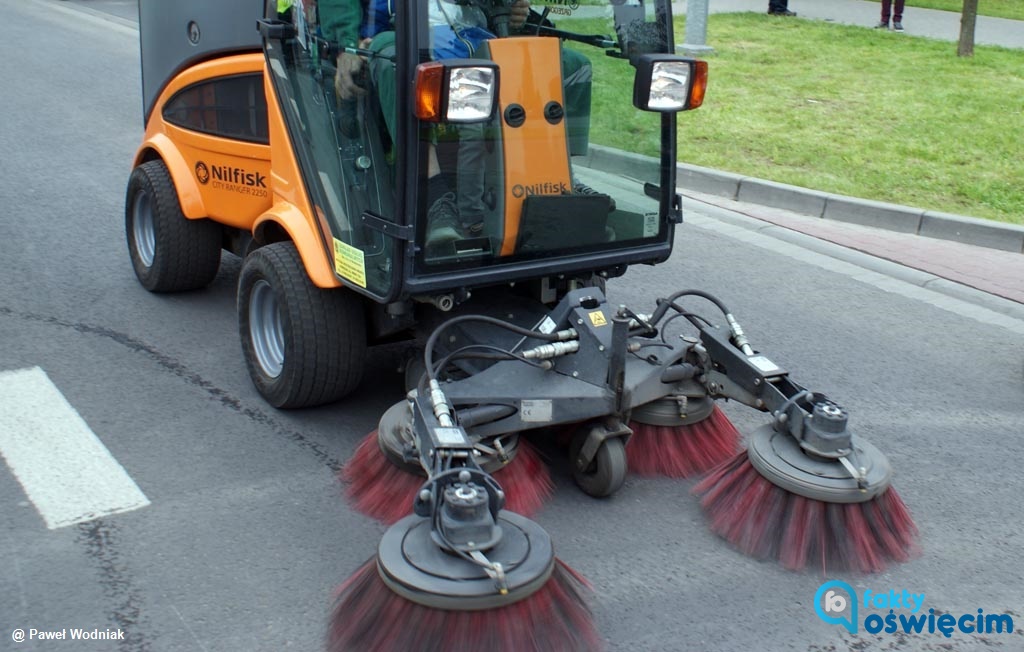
(393,603)
(383,476)
(776,501)
(462,572)
(678,439)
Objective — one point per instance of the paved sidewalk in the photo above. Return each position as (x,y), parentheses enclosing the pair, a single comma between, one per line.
(980,254)
(916,21)
(930,23)
(999,273)
(968,252)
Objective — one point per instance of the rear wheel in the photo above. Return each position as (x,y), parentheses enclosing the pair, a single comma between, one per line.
(303,345)
(169,252)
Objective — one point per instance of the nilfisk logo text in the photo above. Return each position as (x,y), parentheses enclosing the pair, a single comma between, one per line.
(837,603)
(238,176)
(225,177)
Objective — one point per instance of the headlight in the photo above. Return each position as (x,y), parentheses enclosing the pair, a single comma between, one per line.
(667,83)
(471,94)
(670,86)
(456,90)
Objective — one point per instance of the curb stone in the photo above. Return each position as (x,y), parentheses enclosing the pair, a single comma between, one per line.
(829,206)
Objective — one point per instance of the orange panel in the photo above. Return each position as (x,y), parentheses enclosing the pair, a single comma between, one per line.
(235,189)
(232,181)
(536,153)
(223,179)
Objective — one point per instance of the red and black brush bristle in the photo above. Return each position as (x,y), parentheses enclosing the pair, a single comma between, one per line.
(682,451)
(368,616)
(381,490)
(767,522)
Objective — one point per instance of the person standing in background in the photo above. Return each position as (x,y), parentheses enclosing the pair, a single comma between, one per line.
(894,9)
(779,8)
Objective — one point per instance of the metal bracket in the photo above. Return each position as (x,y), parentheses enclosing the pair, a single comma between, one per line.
(597,435)
(387,227)
(676,214)
(275,29)
(752,374)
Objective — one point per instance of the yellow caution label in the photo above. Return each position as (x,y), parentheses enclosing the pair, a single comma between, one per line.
(349,263)
(597,318)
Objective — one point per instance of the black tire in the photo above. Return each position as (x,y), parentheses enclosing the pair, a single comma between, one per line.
(414,370)
(170,253)
(606,473)
(303,345)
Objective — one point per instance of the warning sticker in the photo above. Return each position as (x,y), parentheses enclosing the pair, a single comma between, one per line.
(547,325)
(450,436)
(650,224)
(597,318)
(536,410)
(349,263)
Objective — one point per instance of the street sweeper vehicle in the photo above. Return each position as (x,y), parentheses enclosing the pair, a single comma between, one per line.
(415,170)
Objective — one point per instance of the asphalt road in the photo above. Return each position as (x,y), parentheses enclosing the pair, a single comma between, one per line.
(245,535)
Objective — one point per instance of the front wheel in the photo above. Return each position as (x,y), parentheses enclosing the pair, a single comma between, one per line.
(303,345)
(169,252)
(606,472)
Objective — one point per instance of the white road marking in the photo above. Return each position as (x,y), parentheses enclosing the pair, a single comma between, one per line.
(65,470)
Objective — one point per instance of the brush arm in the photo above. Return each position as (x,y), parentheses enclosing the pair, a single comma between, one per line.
(818,423)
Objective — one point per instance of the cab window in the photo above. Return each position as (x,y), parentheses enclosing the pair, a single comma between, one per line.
(229,107)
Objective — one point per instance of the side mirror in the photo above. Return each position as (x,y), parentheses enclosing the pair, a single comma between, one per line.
(456,90)
(667,83)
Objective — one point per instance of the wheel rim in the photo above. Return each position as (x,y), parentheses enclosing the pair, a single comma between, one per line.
(142,228)
(266,329)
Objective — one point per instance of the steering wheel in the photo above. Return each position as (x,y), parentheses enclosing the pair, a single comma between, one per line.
(497,12)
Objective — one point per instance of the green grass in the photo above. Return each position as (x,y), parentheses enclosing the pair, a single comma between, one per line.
(848,110)
(997,8)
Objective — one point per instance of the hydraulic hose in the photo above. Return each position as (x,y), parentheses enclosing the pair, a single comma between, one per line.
(428,353)
(665,304)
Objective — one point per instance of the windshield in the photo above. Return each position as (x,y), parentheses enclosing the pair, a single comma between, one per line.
(521,187)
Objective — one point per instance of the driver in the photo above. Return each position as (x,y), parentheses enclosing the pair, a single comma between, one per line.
(457,31)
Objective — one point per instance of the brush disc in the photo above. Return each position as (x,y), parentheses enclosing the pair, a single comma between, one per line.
(368,615)
(666,411)
(375,486)
(778,457)
(414,567)
(775,502)
(396,440)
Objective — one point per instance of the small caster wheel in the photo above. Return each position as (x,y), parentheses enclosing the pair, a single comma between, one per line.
(606,473)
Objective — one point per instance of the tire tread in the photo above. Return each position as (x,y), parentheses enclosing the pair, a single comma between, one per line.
(325,345)
(187,253)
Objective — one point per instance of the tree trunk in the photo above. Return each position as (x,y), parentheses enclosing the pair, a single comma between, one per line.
(967,20)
